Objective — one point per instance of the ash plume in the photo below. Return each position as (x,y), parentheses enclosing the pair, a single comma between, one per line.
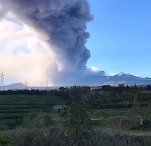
(61,26)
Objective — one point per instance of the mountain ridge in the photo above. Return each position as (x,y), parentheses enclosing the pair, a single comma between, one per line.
(95,78)
(119,78)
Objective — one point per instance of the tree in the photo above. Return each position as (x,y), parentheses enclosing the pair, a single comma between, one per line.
(79,93)
(76,122)
(121,87)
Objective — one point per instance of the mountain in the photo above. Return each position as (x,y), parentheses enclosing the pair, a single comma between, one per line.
(126,78)
(94,78)
(101,78)
(15,86)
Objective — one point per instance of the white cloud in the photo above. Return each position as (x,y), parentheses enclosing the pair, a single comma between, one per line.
(94,69)
(23,56)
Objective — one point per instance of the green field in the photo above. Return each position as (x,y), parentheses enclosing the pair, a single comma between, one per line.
(13,108)
(111,114)
(115,116)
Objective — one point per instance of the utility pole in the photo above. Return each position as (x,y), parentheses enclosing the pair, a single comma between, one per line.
(47,84)
(2,81)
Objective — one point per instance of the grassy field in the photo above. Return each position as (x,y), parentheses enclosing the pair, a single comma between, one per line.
(115,117)
(13,108)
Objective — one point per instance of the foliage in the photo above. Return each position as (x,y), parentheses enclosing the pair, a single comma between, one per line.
(6,140)
(76,122)
(15,105)
(36,137)
(38,120)
(75,118)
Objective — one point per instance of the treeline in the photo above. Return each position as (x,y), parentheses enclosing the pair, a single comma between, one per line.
(119,88)
(122,87)
(24,91)
(105,96)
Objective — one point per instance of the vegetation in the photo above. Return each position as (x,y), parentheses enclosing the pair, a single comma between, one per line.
(105,116)
(6,140)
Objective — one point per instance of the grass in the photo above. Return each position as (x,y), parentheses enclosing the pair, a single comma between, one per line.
(111,120)
(30,99)
(56,117)
(14,107)
(104,113)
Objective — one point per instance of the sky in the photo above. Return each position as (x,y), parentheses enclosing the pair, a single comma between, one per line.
(119,41)
(121,36)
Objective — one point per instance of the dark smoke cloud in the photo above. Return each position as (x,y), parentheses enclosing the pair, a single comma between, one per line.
(63,23)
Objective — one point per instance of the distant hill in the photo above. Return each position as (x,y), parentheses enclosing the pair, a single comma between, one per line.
(97,79)
(15,86)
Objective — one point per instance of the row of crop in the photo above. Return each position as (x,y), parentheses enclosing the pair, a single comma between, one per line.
(11,116)
(28,99)
(24,106)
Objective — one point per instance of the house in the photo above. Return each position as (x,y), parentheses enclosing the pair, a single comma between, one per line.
(58,108)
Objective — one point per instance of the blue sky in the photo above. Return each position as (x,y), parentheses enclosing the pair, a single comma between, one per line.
(121,36)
